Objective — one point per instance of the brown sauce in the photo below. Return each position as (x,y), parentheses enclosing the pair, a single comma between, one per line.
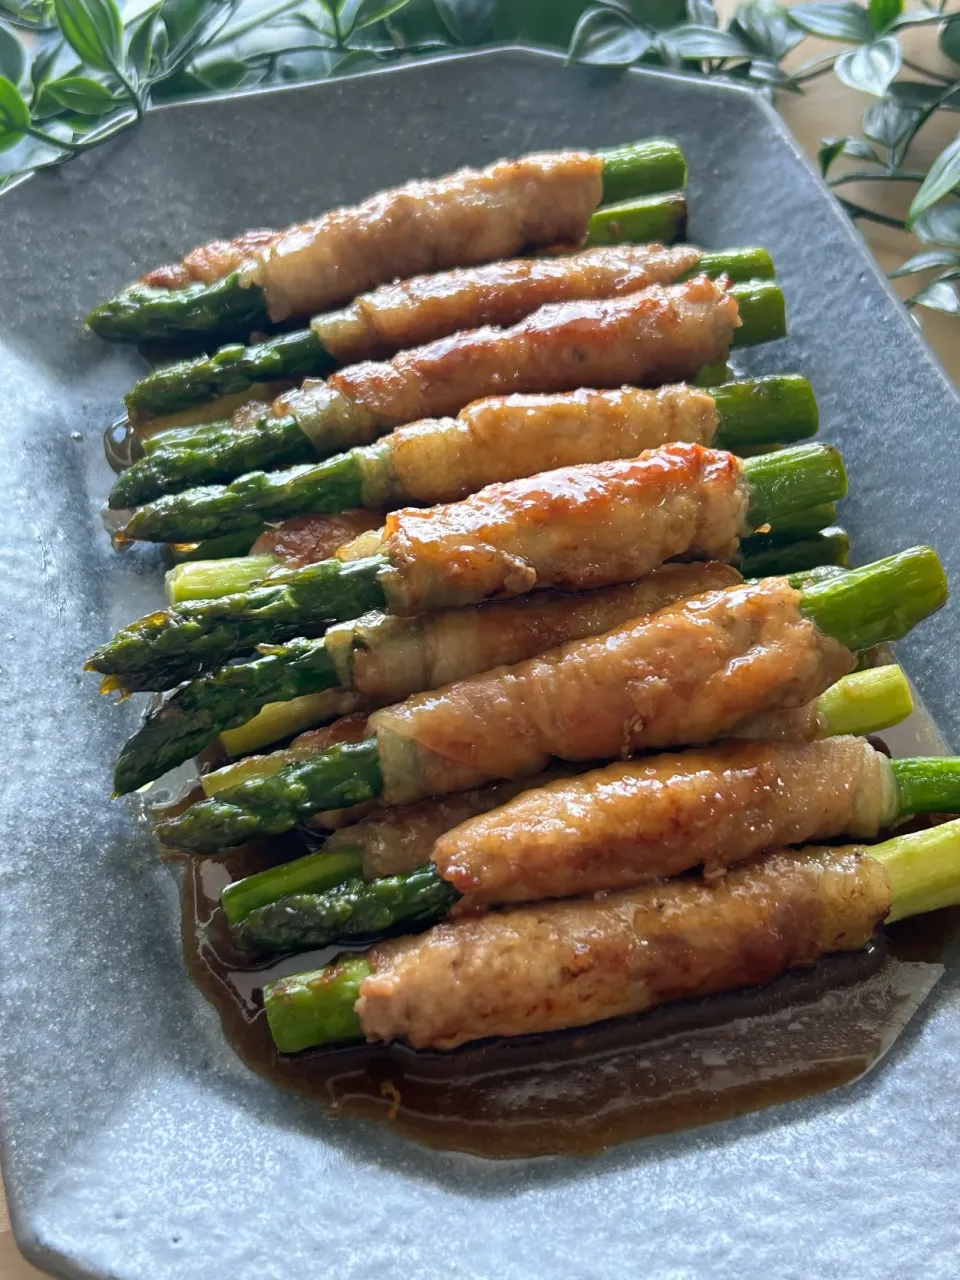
(579,1091)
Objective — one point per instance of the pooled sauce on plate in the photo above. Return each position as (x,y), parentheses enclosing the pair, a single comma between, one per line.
(579,1091)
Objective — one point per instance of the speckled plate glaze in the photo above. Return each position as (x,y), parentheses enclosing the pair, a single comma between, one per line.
(135,1144)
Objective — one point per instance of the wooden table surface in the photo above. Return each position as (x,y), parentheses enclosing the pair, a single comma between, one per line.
(828,109)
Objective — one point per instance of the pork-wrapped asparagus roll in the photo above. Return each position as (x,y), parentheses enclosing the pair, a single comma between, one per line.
(661,334)
(409,313)
(380,659)
(575,529)
(569,963)
(467,217)
(496,439)
(645,842)
(687,674)
(388,844)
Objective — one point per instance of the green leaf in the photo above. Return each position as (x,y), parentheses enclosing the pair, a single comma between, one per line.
(830,149)
(82,95)
(889,121)
(834,21)
(223,74)
(925,262)
(940,295)
(940,225)
(702,13)
(188,22)
(140,41)
(468,21)
(42,66)
(93,30)
(32,15)
(692,41)
(356,14)
(608,39)
(949,38)
(882,12)
(914,93)
(872,67)
(14,115)
(12,56)
(766,28)
(944,175)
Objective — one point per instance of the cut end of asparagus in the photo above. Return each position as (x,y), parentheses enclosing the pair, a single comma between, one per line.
(879,603)
(642,168)
(761,410)
(793,480)
(765,556)
(313,873)
(143,312)
(865,702)
(654,218)
(763,313)
(316,1008)
(924,870)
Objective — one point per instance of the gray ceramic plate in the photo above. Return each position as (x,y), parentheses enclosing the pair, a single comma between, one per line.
(135,1144)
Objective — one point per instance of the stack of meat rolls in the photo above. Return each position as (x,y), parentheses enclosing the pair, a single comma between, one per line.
(537,604)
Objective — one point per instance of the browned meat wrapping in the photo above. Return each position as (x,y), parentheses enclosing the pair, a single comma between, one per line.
(211,261)
(307,539)
(576,529)
(661,334)
(565,964)
(654,818)
(409,313)
(388,658)
(509,437)
(468,217)
(397,840)
(688,674)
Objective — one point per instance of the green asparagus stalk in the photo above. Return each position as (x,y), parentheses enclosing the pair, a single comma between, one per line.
(233,305)
(302,354)
(912,584)
(232,544)
(302,921)
(189,457)
(864,702)
(178,643)
(764,556)
(319,1007)
(164,648)
(199,579)
(751,412)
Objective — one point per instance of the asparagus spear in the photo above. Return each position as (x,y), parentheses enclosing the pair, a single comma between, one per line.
(359,405)
(382,659)
(169,646)
(751,412)
(235,304)
(763,556)
(201,578)
(299,429)
(861,608)
(922,871)
(863,702)
(304,353)
(302,921)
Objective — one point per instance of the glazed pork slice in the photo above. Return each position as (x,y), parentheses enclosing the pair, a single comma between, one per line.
(661,334)
(688,674)
(658,816)
(573,529)
(409,313)
(467,217)
(566,964)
